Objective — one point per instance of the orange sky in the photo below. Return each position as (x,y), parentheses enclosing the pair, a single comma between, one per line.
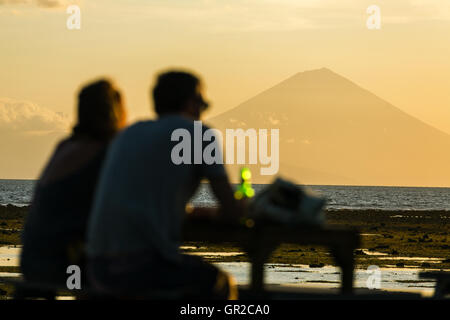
(240,48)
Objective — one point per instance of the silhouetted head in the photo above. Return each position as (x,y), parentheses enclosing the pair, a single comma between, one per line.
(179,92)
(101,113)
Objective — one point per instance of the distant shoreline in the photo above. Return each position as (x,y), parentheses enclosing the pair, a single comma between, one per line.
(20,211)
(309,185)
(20,193)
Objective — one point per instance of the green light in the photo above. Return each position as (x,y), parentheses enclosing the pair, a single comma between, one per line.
(249,193)
(245,188)
(246,174)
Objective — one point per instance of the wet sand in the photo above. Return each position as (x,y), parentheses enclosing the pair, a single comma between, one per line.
(418,239)
(393,240)
(389,238)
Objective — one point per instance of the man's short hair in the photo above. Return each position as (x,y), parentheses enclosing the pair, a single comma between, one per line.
(172,90)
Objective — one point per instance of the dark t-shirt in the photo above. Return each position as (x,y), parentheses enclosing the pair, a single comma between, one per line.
(58,216)
(142,193)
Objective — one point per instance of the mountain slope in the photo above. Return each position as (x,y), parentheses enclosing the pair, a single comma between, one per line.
(329,124)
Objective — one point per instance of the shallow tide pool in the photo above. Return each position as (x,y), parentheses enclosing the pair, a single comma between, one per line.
(399,279)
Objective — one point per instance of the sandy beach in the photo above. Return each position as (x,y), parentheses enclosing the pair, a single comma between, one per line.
(399,242)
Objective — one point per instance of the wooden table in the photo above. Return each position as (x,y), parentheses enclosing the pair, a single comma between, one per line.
(442,279)
(260,240)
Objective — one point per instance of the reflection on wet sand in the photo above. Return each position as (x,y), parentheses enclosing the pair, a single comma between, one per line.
(393,278)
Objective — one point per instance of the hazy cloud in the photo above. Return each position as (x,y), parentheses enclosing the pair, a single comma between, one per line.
(27,117)
(40,3)
(286,15)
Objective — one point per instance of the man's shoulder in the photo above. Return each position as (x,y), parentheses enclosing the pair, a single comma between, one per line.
(165,122)
(139,125)
(163,126)
(136,128)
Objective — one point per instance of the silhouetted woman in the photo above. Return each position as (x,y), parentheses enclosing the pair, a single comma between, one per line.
(55,227)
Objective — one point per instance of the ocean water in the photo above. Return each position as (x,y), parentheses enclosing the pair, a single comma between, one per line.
(363,198)
(19,193)
(16,192)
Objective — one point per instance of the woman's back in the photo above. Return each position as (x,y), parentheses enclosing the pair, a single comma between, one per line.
(54,232)
(56,223)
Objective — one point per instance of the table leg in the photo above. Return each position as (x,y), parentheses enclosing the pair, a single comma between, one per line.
(259,250)
(344,258)
(257,275)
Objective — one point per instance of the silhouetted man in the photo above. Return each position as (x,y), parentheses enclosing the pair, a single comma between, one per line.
(136,223)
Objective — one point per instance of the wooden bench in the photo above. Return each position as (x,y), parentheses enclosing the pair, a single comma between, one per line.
(260,240)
